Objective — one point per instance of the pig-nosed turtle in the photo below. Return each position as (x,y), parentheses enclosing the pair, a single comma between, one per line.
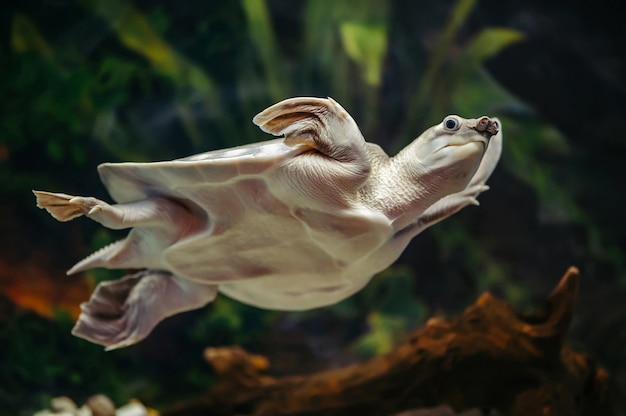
(294,223)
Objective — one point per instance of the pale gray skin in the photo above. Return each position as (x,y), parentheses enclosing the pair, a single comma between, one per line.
(290,224)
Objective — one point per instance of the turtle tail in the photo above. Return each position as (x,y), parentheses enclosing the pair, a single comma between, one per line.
(101,258)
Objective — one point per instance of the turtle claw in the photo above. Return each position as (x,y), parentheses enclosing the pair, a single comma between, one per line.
(88,205)
(94,210)
(472,192)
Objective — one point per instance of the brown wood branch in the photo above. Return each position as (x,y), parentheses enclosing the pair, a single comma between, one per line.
(489,357)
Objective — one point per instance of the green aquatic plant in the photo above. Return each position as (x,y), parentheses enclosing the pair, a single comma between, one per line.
(392,308)
(443,77)
(262,36)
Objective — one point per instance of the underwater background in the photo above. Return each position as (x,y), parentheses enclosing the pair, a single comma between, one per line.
(87,81)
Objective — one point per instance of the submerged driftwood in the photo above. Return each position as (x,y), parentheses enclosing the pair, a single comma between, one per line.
(490,357)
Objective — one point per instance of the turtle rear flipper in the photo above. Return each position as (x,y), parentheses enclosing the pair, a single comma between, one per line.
(58,205)
(123,312)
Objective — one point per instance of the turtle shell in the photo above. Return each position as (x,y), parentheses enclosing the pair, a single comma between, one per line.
(129,182)
(246,218)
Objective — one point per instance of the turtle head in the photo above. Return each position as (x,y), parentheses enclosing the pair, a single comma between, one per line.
(450,152)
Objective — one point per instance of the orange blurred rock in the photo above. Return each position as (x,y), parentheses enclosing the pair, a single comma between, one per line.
(37,287)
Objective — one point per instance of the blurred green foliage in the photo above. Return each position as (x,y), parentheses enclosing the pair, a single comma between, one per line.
(40,360)
(140,85)
(392,309)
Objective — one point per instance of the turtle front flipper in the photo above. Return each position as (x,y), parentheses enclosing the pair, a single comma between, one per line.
(333,148)
(320,123)
(123,312)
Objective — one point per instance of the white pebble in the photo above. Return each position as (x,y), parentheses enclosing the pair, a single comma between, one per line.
(132,409)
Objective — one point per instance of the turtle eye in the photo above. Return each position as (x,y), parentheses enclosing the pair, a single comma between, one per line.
(451,124)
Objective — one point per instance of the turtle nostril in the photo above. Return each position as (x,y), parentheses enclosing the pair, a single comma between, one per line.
(487,125)
(493,127)
(483,123)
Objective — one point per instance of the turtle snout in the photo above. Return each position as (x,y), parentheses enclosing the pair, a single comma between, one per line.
(487,127)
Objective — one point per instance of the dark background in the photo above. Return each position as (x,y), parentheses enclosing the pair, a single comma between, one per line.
(85,82)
